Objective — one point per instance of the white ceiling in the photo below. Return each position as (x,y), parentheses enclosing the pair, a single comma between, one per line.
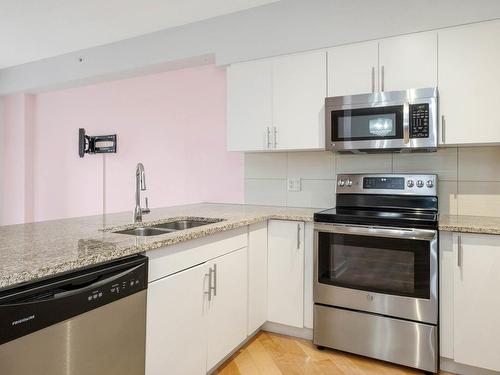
(35,29)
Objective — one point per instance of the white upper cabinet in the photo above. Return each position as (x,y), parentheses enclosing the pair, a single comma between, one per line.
(352,69)
(408,61)
(476,300)
(299,91)
(390,64)
(469,83)
(249,106)
(277,104)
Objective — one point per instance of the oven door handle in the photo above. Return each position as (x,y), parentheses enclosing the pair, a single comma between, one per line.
(375,231)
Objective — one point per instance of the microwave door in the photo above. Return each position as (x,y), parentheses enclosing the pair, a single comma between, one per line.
(367,128)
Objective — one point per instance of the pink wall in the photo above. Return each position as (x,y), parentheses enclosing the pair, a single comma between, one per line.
(173,122)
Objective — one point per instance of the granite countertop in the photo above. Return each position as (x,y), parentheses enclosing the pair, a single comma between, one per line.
(35,250)
(469,224)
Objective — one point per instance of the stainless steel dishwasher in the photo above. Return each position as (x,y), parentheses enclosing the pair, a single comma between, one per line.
(89,322)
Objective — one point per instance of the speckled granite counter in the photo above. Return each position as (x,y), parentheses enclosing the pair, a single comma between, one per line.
(31,251)
(469,224)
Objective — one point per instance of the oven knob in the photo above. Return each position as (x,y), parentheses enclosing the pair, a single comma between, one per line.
(430,184)
(420,183)
(341,183)
(348,183)
(410,183)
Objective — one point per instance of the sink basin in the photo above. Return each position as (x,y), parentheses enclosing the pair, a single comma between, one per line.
(164,228)
(142,232)
(184,224)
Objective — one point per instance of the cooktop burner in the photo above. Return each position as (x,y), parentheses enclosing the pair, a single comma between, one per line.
(384,200)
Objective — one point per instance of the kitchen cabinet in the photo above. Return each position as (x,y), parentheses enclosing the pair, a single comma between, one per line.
(286,272)
(201,311)
(227,312)
(177,323)
(469,83)
(249,106)
(389,64)
(408,61)
(352,69)
(476,300)
(257,276)
(299,91)
(277,104)
(446,268)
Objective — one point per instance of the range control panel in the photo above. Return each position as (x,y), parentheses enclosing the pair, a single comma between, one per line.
(419,120)
(393,184)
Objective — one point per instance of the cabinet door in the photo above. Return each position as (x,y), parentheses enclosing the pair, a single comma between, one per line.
(177,323)
(249,105)
(353,69)
(286,272)
(477,300)
(408,61)
(446,267)
(257,276)
(299,91)
(469,83)
(227,318)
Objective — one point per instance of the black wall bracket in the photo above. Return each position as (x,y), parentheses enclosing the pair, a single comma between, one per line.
(99,144)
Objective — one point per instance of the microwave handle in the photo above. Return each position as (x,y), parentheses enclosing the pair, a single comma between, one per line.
(406,123)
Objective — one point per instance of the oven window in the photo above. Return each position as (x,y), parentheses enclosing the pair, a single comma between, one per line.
(367,124)
(377,264)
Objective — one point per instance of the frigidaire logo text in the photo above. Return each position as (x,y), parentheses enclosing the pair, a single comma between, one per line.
(23,320)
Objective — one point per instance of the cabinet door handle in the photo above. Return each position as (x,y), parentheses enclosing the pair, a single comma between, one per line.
(459,252)
(298,236)
(382,78)
(209,274)
(215,280)
(373,79)
(443,133)
(268,137)
(275,136)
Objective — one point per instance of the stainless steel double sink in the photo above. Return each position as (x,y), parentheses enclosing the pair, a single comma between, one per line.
(163,228)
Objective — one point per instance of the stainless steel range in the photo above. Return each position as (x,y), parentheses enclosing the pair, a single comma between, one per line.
(376,269)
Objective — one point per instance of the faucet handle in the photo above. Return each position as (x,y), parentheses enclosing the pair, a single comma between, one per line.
(146,210)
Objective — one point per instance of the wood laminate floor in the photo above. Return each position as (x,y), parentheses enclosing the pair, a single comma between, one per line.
(272,354)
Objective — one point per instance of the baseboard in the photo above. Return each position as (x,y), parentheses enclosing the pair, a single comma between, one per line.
(450,365)
(303,333)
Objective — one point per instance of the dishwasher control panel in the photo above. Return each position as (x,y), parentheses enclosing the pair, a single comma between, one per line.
(116,288)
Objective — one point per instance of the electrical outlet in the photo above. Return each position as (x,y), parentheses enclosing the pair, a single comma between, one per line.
(293,184)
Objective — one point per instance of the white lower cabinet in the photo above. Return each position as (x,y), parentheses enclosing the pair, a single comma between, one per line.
(257,276)
(189,330)
(177,323)
(286,272)
(476,312)
(227,312)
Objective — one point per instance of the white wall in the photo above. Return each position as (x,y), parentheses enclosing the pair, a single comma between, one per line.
(279,28)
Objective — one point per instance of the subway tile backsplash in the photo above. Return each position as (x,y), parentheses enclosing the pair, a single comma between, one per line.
(469,178)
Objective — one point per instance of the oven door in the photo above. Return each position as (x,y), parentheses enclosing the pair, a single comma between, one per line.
(388,271)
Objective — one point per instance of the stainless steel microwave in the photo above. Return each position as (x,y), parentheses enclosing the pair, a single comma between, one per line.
(389,121)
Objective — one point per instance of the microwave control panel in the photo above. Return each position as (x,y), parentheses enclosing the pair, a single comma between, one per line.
(419,120)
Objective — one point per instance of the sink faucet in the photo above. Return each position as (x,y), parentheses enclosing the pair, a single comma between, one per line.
(140,184)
